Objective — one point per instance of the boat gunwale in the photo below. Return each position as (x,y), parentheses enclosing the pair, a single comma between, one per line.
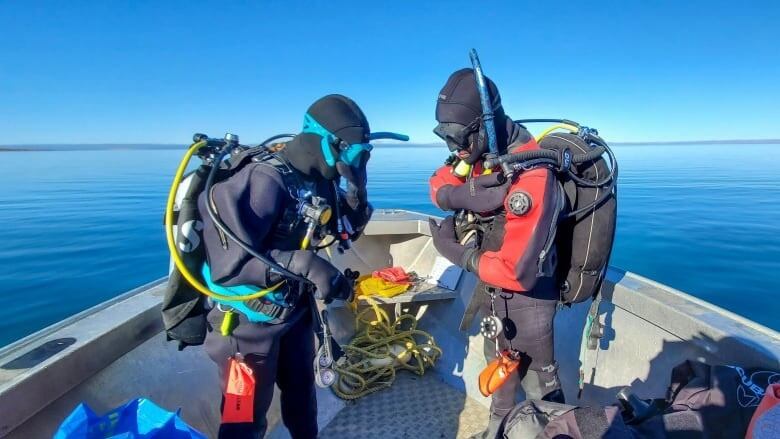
(14,346)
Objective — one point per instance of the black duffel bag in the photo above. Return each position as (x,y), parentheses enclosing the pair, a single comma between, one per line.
(702,401)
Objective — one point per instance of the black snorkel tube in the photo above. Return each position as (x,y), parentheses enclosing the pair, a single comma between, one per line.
(487,107)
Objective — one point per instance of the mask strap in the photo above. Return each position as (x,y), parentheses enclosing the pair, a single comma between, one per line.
(310,125)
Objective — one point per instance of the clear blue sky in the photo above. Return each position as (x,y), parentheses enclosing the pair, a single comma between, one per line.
(157,71)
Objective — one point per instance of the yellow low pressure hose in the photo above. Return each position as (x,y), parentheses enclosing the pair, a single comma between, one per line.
(561,126)
(172,241)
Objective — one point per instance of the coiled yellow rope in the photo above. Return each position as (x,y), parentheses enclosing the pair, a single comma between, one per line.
(379,349)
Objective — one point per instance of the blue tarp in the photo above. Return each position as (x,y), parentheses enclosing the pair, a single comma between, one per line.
(140,418)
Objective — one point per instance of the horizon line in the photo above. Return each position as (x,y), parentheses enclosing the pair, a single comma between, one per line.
(140,145)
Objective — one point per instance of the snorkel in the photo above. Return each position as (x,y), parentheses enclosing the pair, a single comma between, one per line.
(487,108)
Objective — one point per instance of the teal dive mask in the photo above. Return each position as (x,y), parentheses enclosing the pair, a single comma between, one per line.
(349,154)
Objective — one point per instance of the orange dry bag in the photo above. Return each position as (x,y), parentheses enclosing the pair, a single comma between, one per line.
(495,374)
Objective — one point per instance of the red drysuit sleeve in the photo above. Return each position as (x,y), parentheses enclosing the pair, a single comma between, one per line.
(441,178)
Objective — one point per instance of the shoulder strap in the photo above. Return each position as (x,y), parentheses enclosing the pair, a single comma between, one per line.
(292,180)
(238,161)
(290,219)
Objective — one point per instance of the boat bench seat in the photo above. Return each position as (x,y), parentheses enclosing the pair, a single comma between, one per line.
(423,293)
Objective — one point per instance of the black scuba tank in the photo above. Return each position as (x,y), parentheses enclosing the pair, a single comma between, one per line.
(183,310)
(583,241)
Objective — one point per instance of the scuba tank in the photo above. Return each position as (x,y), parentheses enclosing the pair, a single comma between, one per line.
(184,194)
(585,236)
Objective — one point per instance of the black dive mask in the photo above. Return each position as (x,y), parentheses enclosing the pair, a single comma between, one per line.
(463,138)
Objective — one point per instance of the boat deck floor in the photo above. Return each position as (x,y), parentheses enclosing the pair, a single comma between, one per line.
(413,407)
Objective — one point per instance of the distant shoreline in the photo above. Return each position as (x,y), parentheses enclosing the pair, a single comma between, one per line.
(705,142)
(162,147)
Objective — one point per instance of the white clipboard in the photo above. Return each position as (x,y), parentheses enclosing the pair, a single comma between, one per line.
(444,273)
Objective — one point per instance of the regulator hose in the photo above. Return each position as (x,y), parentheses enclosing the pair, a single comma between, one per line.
(564,126)
(177,260)
(543,154)
(276,137)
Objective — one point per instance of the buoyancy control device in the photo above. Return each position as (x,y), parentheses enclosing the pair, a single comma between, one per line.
(585,229)
(187,239)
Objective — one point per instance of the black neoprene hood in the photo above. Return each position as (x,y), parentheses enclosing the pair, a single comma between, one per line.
(458,100)
(341,116)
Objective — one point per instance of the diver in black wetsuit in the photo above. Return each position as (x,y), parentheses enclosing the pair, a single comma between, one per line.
(261,205)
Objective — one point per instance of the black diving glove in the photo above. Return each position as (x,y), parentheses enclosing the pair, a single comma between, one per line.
(328,281)
(484,193)
(358,219)
(447,244)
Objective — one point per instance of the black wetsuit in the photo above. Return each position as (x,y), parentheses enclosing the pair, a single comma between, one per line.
(252,204)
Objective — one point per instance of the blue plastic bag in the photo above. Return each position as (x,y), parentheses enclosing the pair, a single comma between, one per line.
(140,418)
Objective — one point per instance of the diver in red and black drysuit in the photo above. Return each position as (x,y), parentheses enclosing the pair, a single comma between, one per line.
(258,203)
(511,252)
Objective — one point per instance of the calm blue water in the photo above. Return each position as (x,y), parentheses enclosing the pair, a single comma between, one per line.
(79,227)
